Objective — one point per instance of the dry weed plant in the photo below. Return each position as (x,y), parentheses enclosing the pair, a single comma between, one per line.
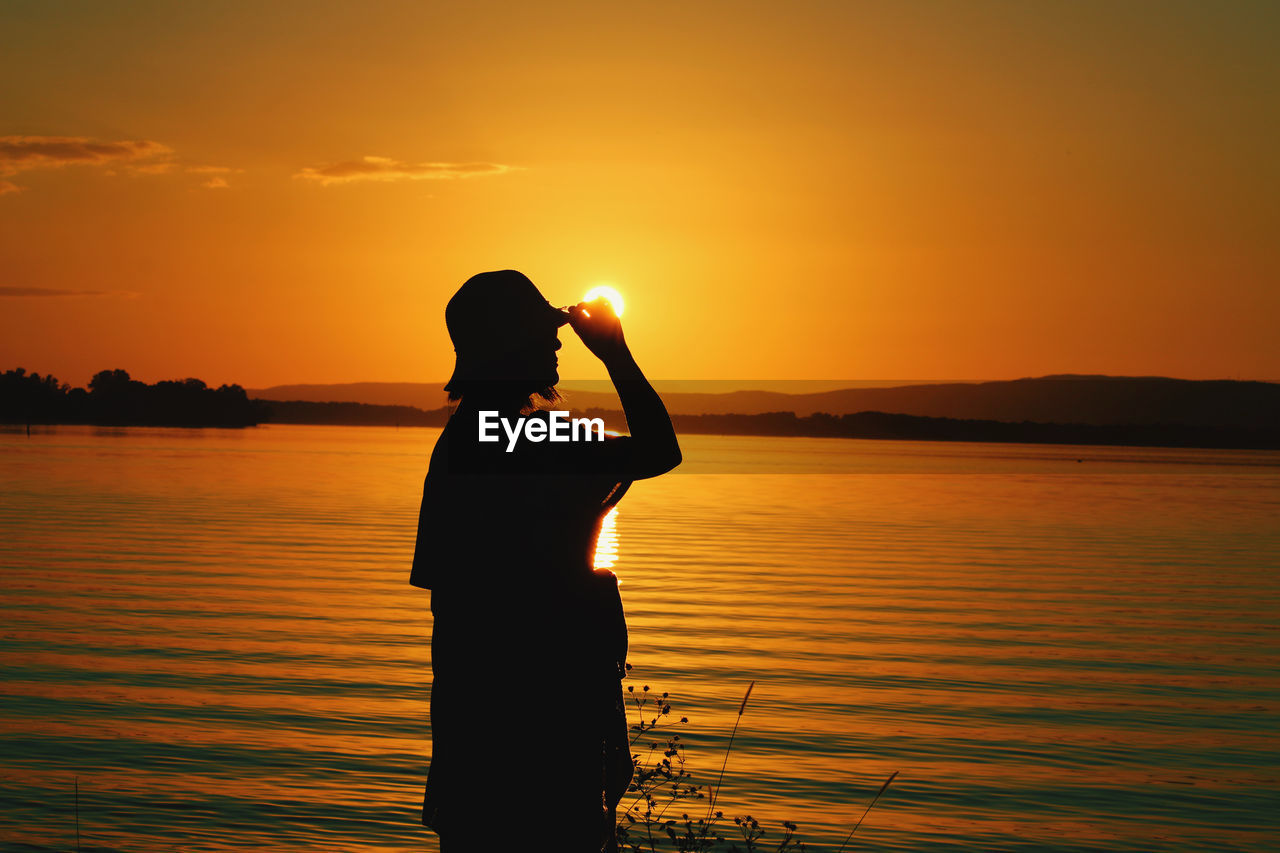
(655,813)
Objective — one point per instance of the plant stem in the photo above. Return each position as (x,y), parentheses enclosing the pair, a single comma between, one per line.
(711,809)
(864,814)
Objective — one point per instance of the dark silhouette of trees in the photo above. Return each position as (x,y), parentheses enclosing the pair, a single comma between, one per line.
(25,397)
(115,399)
(883,425)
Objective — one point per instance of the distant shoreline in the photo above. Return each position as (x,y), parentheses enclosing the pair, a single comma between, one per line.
(883,426)
(864,425)
(1063,409)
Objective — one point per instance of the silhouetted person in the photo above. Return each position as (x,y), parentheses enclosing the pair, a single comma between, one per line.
(529,738)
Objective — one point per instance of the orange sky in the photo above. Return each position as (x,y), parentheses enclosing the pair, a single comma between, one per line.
(782,191)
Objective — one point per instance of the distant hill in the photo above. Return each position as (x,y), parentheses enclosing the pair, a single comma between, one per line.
(1065,399)
(1070,399)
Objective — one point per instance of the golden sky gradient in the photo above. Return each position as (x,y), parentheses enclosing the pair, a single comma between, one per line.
(289,192)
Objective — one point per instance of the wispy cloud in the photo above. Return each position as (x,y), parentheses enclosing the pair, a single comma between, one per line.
(216,179)
(63,292)
(25,153)
(131,157)
(161,168)
(386,169)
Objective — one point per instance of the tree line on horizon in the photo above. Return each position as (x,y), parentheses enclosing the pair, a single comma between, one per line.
(900,427)
(867,425)
(113,398)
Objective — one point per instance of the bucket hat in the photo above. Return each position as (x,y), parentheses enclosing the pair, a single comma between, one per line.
(492,314)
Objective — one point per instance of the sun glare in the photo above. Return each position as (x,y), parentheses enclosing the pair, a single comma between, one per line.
(611,295)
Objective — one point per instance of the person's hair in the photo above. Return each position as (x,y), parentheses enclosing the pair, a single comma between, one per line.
(505,375)
(540,399)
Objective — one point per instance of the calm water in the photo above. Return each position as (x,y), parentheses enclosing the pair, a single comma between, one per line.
(212,631)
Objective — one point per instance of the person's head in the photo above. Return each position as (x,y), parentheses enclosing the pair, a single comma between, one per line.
(505,338)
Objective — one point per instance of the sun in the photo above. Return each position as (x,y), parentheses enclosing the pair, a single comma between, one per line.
(610,295)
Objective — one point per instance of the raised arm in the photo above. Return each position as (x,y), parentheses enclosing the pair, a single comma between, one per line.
(653,448)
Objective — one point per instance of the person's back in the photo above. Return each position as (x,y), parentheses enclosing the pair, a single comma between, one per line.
(519,533)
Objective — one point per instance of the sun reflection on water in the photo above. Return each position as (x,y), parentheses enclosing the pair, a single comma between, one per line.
(606,556)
